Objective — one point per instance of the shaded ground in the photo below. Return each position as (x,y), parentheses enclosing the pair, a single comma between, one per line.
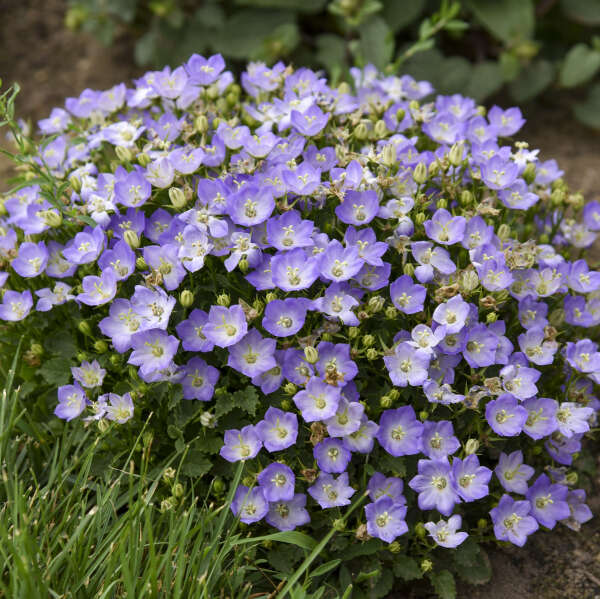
(51,63)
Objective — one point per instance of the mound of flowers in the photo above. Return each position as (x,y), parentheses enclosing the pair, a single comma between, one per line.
(354,290)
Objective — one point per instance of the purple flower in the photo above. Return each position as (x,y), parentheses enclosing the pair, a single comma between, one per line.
(438,439)
(407,296)
(541,420)
(519,380)
(337,263)
(199,380)
(294,270)
(310,122)
(445,228)
(346,420)
(512,521)
(240,444)
(288,514)
(278,430)
(119,407)
(537,350)
(318,401)
(477,233)
(506,122)
(253,354)
(430,257)
(407,365)
(225,326)
(480,347)
(338,303)
(332,455)
(380,486)
(446,534)
(277,482)
(512,473)
(85,247)
(505,415)
(89,374)
(71,402)
(580,512)
(583,355)
(31,260)
(498,173)
(532,313)
(191,332)
(133,190)
(572,418)
(358,208)
(335,365)
(204,71)
(386,519)
(165,260)
(251,205)
(548,501)
(400,432)
(435,486)
(330,492)
(471,479)
(284,318)
(98,290)
(120,259)
(494,274)
(15,306)
(362,439)
(152,350)
(289,231)
(249,505)
(302,180)
(452,314)
(365,241)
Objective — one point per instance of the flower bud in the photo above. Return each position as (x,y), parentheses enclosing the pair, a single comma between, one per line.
(84,327)
(455,155)
(385,401)
(420,173)
(557,197)
(248,481)
(36,349)
(51,218)
(529,173)
(178,490)
(391,312)
(468,281)
(166,505)
(368,340)
(223,300)
(361,534)
(143,159)
(186,298)
(290,388)
(376,304)
(219,486)
(201,124)
(420,530)
(503,232)
(380,129)
(213,91)
(433,169)
(344,88)
(177,197)
(557,317)
(140,263)
(75,183)
(339,524)
(101,346)
(576,200)
(258,306)
(243,265)
(103,425)
(420,218)
(414,105)
(394,547)
(169,474)
(372,354)
(394,394)
(353,332)
(208,420)
(466,197)
(329,336)
(132,239)
(388,155)
(572,478)
(423,415)
(123,154)
(471,446)
(311,355)
(491,317)
(426,565)
(442,203)
(272,295)
(361,131)
(116,360)
(409,269)
(482,524)
(286,404)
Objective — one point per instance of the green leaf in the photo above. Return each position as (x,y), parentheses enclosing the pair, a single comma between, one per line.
(508,20)
(486,79)
(376,43)
(331,53)
(246,399)
(478,570)
(383,585)
(532,80)
(61,345)
(401,14)
(299,5)
(588,111)
(196,464)
(56,371)
(367,548)
(585,12)
(443,583)
(466,553)
(406,568)
(324,568)
(580,65)
(293,537)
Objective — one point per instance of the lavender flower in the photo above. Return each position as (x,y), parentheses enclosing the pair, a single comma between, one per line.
(446,534)
(253,354)
(277,482)
(278,430)
(512,521)
(240,444)
(332,455)
(249,505)
(470,478)
(438,439)
(89,374)
(435,486)
(330,492)
(152,350)
(380,486)
(407,366)
(284,318)
(318,401)
(385,519)
(288,514)
(72,400)
(400,432)
(118,408)
(512,473)
(199,380)
(407,296)
(225,326)
(506,416)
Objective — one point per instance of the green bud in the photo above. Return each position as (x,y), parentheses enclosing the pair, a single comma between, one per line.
(481,110)
(84,327)
(442,203)
(572,478)
(414,105)
(132,239)
(482,524)
(339,524)
(409,269)
(248,481)
(420,530)
(352,332)
(327,337)
(380,129)
(557,317)
(222,108)
(400,114)
(290,388)
(101,346)
(557,197)
(286,404)
(433,169)
(311,355)
(272,295)
(394,547)
(391,312)
(504,232)
(368,340)
(372,354)
(491,317)
(140,263)
(186,298)
(455,156)
(123,154)
(219,486)
(423,415)
(36,349)
(420,173)
(243,265)
(115,359)
(388,155)
(468,281)
(376,304)
(213,91)
(466,197)
(394,394)
(360,131)
(103,425)
(75,183)
(178,490)
(529,173)
(471,446)
(177,197)
(231,99)
(223,300)
(51,218)
(544,238)
(420,218)
(208,420)
(385,401)
(258,305)
(426,565)
(577,201)
(344,88)
(201,123)
(143,159)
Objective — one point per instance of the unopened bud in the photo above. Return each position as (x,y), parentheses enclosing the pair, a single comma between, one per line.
(208,420)
(177,197)
(394,394)
(471,446)
(115,359)
(385,401)
(368,340)
(123,154)
(339,524)
(51,217)
(420,218)
(468,281)
(391,312)
(420,530)
(143,159)
(420,173)
(572,478)
(529,173)
(442,203)
(36,349)
(361,131)
(103,425)
(394,547)
(140,263)
(352,332)
(270,296)
(557,197)
(84,327)
(243,265)
(388,155)
(178,490)
(380,129)
(75,183)
(423,415)
(101,346)
(329,336)
(219,486)
(372,354)
(426,565)
(557,317)
(344,88)
(491,317)
(503,232)
(433,169)
(455,155)
(466,197)
(186,298)
(414,105)
(290,388)
(201,123)
(223,300)
(482,524)
(409,269)
(286,404)
(248,481)
(311,355)
(132,239)
(376,304)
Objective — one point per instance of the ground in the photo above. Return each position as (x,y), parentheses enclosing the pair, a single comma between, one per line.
(51,63)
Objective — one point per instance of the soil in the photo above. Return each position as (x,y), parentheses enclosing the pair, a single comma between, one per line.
(51,63)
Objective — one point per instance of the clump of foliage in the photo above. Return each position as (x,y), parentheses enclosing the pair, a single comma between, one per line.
(358,294)
(474,47)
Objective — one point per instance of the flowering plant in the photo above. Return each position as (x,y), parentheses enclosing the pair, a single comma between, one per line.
(356,292)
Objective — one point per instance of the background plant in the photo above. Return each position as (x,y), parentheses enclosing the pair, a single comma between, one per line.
(525,48)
